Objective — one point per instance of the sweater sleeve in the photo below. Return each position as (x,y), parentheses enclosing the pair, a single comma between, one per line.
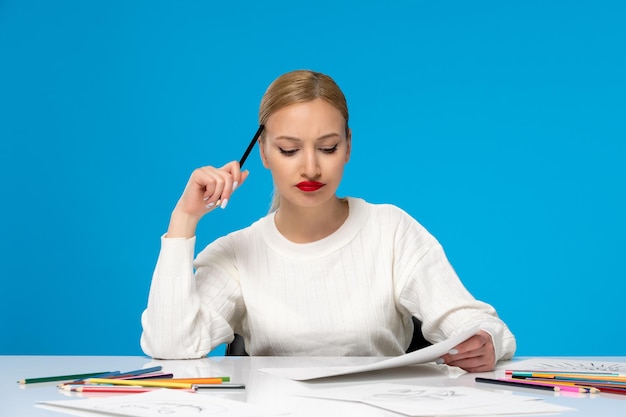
(184,318)
(429,288)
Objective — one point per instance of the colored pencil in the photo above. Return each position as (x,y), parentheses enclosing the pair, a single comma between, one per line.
(139,372)
(140,383)
(117,389)
(134,375)
(520,372)
(194,380)
(589,388)
(158,375)
(543,381)
(593,386)
(609,390)
(200,380)
(106,376)
(251,145)
(530,385)
(219,386)
(581,382)
(565,386)
(616,379)
(60,377)
(568,376)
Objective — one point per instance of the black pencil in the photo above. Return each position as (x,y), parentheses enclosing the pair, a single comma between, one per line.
(251,145)
(517,384)
(219,386)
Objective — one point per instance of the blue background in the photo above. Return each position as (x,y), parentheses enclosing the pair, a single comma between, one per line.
(500,126)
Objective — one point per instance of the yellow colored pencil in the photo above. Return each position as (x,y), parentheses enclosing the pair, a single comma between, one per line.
(139,383)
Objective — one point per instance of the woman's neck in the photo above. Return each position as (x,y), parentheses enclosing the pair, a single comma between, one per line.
(310,224)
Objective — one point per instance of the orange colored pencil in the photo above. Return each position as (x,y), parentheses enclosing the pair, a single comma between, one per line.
(192,380)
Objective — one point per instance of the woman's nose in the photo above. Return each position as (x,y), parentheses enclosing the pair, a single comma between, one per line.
(311,168)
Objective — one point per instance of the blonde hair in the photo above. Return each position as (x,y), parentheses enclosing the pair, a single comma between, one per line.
(294,87)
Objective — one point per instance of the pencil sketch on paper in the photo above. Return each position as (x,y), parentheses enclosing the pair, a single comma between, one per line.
(156,408)
(428,401)
(164,403)
(411,394)
(569,365)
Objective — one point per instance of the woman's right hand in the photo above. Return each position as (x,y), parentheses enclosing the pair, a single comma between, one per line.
(207,188)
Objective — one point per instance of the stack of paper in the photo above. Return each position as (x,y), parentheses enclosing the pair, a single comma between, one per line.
(419,401)
(425,355)
(169,402)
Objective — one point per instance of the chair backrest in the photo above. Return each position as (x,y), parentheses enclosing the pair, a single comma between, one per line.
(237,346)
(418,341)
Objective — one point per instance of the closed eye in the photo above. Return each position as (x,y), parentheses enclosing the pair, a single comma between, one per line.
(287,152)
(330,150)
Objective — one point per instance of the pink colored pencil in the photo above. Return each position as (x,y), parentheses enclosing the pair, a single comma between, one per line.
(117,389)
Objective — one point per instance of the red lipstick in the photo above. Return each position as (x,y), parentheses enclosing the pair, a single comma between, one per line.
(309,186)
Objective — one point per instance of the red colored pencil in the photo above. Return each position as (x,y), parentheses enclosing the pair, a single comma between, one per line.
(613,390)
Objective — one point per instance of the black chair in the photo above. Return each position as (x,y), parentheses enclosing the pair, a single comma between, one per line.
(418,341)
(237,346)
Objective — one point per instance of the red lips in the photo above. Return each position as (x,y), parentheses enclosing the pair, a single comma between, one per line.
(309,186)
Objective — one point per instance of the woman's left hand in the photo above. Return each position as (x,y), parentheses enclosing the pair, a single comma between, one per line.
(476,354)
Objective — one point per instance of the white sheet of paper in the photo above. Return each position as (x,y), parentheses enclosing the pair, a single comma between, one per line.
(421,401)
(425,355)
(170,402)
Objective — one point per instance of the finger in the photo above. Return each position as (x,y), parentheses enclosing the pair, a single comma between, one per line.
(461,351)
(233,169)
(233,178)
(481,359)
(211,182)
(476,359)
(226,195)
(244,176)
(477,364)
(476,345)
(476,342)
(473,343)
(220,183)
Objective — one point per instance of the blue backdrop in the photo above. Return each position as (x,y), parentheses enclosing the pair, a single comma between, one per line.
(500,126)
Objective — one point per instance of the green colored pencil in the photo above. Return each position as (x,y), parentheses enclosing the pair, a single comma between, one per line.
(59,378)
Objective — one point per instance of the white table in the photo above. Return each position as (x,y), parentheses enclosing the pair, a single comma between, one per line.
(261,388)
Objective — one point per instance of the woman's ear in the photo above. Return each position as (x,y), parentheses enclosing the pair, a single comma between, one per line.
(262,153)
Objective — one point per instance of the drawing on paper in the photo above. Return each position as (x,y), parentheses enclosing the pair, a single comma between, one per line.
(411,394)
(165,402)
(575,365)
(167,408)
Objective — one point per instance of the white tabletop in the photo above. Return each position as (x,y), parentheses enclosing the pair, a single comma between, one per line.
(262,388)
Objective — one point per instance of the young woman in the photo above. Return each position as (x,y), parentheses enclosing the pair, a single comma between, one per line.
(319,275)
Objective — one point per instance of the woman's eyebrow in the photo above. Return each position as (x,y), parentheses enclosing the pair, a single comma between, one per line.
(295,139)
